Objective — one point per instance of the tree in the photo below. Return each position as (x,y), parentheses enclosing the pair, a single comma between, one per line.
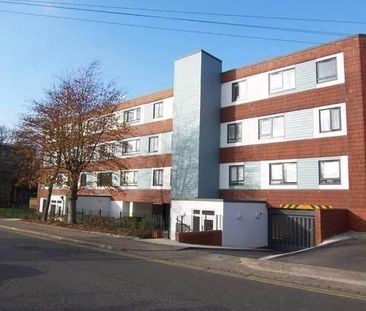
(77,129)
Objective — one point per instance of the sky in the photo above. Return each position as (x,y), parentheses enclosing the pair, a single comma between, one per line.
(34,49)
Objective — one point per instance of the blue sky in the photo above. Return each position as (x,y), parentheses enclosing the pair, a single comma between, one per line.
(35,49)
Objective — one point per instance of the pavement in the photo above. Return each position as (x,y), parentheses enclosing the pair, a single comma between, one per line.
(323,273)
(39,274)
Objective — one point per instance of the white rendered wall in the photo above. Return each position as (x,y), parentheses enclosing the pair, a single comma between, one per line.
(180,208)
(245,225)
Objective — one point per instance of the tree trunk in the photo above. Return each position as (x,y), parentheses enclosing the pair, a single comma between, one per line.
(47,206)
(71,214)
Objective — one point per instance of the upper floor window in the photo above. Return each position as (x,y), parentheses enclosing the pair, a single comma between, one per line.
(238,90)
(129,178)
(104,179)
(131,146)
(154,144)
(83,180)
(330,172)
(283,173)
(132,115)
(158,110)
(282,80)
(236,175)
(233,132)
(273,127)
(330,119)
(158,177)
(326,70)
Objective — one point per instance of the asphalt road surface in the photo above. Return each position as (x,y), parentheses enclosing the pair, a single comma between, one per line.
(44,275)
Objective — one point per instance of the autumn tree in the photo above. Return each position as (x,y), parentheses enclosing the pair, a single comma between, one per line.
(37,145)
(79,128)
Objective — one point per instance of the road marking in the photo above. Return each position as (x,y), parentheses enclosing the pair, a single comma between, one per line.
(191,267)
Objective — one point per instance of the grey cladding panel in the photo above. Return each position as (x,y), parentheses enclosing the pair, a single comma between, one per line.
(305,76)
(299,124)
(308,175)
(252,176)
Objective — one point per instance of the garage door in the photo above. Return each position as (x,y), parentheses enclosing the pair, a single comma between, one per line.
(291,229)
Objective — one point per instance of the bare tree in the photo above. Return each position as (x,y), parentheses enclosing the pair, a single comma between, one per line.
(77,129)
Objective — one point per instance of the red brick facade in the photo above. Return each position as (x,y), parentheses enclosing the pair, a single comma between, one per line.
(353,145)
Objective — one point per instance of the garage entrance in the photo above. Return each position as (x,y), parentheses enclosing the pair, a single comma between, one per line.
(291,229)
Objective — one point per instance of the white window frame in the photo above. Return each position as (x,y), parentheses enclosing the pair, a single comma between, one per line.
(128,183)
(153,177)
(281,73)
(239,90)
(134,150)
(271,136)
(136,115)
(283,180)
(157,139)
(158,113)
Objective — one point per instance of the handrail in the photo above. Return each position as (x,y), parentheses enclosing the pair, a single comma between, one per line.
(182,225)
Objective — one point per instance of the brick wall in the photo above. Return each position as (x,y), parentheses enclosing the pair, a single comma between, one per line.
(357,220)
(329,223)
(353,93)
(200,237)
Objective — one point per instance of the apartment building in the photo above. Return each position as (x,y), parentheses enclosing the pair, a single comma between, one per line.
(268,154)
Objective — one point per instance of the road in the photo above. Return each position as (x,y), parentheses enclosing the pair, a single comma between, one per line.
(37,274)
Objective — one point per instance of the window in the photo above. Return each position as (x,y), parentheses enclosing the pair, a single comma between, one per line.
(330,172)
(158,110)
(233,132)
(283,173)
(59,180)
(83,180)
(157,177)
(236,175)
(129,178)
(330,120)
(273,127)
(131,146)
(282,80)
(326,70)
(153,144)
(238,90)
(104,179)
(132,115)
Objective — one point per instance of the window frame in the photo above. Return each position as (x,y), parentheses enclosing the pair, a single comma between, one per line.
(99,179)
(83,180)
(281,71)
(137,116)
(151,138)
(237,182)
(330,120)
(278,182)
(271,136)
(123,178)
(158,113)
(325,181)
(238,137)
(236,86)
(160,179)
(137,146)
(328,79)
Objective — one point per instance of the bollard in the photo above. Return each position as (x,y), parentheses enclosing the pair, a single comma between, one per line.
(100,213)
